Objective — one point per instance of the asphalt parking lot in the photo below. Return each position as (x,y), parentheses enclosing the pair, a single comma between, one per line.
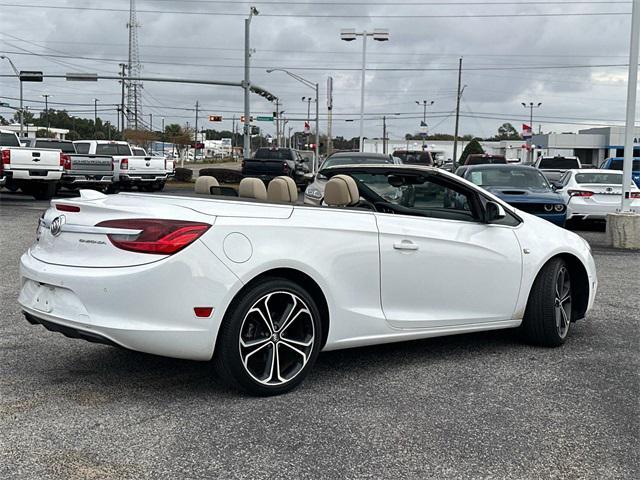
(469,406)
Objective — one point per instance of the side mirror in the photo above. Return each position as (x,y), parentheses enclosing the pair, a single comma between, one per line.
(557,185)
(493,212)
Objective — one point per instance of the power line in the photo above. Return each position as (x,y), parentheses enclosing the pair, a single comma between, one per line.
(344,69)
(312,15)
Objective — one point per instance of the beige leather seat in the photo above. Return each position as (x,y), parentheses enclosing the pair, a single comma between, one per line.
(204,184)
(252,188)
(341,191)
(282,189)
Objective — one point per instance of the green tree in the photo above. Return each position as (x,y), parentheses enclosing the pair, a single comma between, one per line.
(43,133)
(506,131)
(473,147)
(3,121)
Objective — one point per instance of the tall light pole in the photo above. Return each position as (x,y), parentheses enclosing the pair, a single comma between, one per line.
(246,84)
(314,86)
(17,72)
(350,34)
(95,116)
(46,110)
(632,85)
(530,106)
(424,103)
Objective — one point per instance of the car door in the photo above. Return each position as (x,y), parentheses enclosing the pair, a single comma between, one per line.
(448,268)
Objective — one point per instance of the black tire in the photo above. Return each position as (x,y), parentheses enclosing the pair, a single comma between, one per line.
(244,325)
(158,187)
(46,191)
(111,188)
(12,187)
(549,313)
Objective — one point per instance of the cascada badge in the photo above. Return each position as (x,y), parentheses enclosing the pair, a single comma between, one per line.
(56,225)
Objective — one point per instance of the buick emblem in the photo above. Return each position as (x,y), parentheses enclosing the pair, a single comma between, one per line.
(609,189)
(56,225)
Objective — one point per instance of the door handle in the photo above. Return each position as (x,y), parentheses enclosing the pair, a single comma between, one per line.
(405,245)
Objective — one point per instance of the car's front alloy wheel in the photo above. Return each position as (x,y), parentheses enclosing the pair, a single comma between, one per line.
(549,313)
(270,338)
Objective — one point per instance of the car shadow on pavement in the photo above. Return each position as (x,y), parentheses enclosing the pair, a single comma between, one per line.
(131,372)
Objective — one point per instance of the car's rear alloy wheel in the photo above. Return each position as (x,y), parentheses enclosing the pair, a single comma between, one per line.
(276,338)
(549,314)
(270,338)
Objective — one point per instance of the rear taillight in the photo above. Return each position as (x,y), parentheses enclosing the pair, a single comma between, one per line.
(6,157)
(162,237)
(124,164)
(634,195)
(285,168)
(65,161)
(580,193)
(67,208)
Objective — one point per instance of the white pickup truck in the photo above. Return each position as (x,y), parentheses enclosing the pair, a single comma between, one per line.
(36,171)
(143,171)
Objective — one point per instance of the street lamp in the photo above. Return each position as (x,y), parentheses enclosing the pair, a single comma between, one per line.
(246,83)
(95,116)
(349,35)
(314,86)
(15,70)
(424,103)
(530,106)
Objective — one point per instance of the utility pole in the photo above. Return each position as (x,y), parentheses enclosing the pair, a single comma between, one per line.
(151,122)
(46,110)
(195,149)
(384,134)
(277,122)
(122,72)
(455,134)
(95,116)
(135,103)
(163,136)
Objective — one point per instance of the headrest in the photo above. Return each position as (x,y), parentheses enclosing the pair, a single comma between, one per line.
(252,188)
(341,191)
(282,189)
(204,184)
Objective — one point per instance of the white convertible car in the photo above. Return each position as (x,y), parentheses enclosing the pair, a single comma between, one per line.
(261,284)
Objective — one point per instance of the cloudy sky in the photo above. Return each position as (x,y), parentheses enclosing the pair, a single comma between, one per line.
(568,54)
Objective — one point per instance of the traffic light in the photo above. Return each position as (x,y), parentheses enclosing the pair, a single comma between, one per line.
(255,130)
(215,118)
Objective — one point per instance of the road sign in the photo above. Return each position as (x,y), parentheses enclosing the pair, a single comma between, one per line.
(265,119)
(242,117)
(215,118)
(30,76)
(82,77)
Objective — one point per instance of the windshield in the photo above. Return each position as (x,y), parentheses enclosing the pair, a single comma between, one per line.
(355,160)
(507,177)
(618,163)
(113,149)
(414,157)
(66,147)
(560,163)
(484,159)
(273,154)
(9,140)
(601,178)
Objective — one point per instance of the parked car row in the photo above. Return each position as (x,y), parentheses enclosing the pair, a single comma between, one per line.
(46,165)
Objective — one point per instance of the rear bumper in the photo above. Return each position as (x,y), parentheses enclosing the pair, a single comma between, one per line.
(580,210)
(142,178)
(85,180)
(34,175)
(147,308)
(3,180)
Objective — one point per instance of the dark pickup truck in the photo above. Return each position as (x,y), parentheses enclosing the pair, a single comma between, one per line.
(268,163)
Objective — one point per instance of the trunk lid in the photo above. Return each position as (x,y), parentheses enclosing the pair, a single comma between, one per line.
(23,158)
(80,244)
(143,165)
(92,164)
